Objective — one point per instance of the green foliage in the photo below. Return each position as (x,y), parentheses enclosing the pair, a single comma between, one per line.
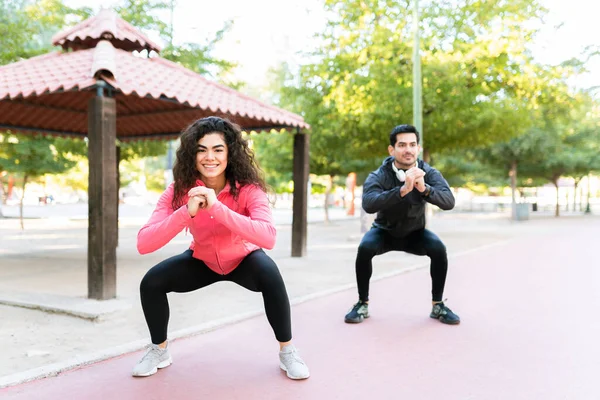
(273,151)
(564,140)
(33,156)
(570,139)
(475,80)
(142,15)
(530,148)
(14,28)
(75,178)
(26,26)
(154,173)
(486,103)
(131,150)
(478,80)
(467,170)
(198,57)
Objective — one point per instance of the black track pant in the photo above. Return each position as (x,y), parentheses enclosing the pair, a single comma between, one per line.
(184,273)
(422,242)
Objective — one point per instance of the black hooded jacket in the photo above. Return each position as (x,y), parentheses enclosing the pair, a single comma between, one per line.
(403,215)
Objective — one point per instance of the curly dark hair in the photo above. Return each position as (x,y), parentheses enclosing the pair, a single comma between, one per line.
(242,167)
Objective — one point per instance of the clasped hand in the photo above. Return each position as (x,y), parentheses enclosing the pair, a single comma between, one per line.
(200,197)
(415,178)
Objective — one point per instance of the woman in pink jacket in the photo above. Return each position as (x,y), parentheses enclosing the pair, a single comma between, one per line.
(219,195)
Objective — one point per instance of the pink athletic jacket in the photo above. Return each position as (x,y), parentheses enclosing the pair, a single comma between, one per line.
(223,236)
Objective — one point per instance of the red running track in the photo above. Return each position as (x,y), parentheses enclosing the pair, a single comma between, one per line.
(529,331)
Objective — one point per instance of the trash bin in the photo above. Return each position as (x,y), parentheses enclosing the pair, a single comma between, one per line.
(522,212)
(534,207)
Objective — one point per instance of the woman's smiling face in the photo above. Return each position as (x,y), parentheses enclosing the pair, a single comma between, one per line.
(211,158)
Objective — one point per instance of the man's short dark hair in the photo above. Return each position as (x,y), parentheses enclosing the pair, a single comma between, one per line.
(405,128)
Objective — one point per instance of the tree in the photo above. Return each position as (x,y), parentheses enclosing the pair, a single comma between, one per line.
(560,157)
(198,57)
(331,153)
(477,78)
(32,156)
(469,169)
(584,139)
(530,148)
(570,121)
(27,26)
(273,151)
(475,69)
(144,14)
(477,75)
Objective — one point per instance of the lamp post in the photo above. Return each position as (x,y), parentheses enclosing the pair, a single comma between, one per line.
(418,92)
(417,81)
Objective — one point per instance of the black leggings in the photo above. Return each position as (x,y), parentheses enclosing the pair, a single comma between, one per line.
(184,273)
(422,242)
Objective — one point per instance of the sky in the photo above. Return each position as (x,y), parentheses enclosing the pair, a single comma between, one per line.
(267,32)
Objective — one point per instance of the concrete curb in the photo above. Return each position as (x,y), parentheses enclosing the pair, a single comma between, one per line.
(84,308)
(55,369)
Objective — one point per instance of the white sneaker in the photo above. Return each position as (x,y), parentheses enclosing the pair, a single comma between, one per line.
(292,364)
(154,359)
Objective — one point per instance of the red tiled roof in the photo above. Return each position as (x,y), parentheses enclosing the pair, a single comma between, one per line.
(47,74)
(104,26)
(36,86)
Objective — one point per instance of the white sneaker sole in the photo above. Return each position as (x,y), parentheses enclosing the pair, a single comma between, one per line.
(283,368)
(163,364)
(351,321)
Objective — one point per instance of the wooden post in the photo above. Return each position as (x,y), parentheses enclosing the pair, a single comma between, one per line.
(300,205)
(118,158)
(102,227)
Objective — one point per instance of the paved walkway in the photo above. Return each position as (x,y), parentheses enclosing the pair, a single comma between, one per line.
(528,332)
(46,265)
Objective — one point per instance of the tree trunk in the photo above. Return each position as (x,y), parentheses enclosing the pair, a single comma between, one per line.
(21,202)
(327,193)
(513,188)
(426,156)
(557,211)
(575,194)
(587,207)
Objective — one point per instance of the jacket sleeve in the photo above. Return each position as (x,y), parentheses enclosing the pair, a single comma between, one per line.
(257,227)
(163,225)
(439,191)
(375,198)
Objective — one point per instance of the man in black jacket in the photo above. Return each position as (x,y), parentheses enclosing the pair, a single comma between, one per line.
(397,192)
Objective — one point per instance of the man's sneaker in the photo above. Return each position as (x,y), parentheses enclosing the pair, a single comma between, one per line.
(154,359)
(292,364)
(444,314)
(358,313)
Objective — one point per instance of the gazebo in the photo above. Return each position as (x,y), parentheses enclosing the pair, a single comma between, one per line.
(107,83)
